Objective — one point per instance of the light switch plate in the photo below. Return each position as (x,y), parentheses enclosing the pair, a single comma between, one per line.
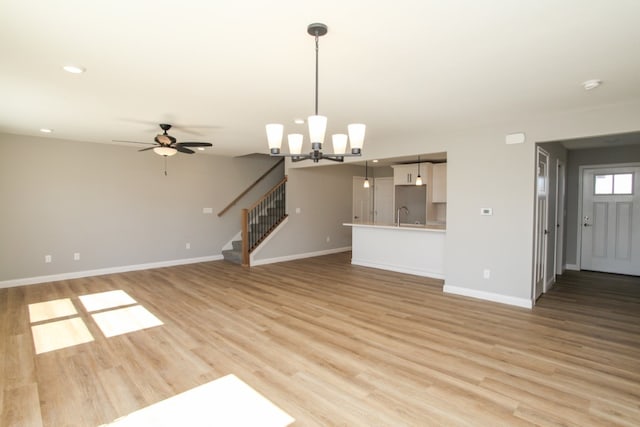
(486,211)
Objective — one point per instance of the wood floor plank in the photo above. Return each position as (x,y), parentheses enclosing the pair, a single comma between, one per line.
(334,344)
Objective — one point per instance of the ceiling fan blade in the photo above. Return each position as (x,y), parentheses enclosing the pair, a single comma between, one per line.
(183,149)
(147,149)
(195,144)
(134,142)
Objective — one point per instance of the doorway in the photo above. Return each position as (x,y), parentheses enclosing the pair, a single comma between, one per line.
(610,219)
(541,221)
(362,201)
(383,200)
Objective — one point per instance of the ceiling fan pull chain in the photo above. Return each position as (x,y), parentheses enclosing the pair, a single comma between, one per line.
(165,165)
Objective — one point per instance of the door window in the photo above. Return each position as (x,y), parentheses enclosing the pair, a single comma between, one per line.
(618,183)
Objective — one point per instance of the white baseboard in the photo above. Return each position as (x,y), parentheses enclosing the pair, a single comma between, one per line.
(572,267)
(399,269)
(489,296)
(299,256)
(101,271)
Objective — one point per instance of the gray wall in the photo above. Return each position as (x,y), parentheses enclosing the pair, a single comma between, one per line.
(324,196)
(577,158)
(113,205)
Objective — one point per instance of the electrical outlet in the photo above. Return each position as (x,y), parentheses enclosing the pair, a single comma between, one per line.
(187,246)
(76,256)
(486,273)
(47,259)
(328,239)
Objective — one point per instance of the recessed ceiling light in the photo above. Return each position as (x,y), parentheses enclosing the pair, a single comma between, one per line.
(591,84)
(375,161)
(299,121)
(46,130)
(74,69)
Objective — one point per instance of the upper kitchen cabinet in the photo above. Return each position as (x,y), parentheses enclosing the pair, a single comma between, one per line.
(407,174)
(439,186)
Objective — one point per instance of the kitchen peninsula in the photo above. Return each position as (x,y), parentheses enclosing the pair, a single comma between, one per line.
(412,249)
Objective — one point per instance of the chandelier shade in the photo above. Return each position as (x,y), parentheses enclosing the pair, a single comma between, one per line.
(317,128)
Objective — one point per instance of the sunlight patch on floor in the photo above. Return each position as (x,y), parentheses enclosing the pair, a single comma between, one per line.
(125,320)
(227,401)
(104,300)
(61,334)
(53,309)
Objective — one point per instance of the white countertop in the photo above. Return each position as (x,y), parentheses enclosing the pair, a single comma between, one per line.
(436,227)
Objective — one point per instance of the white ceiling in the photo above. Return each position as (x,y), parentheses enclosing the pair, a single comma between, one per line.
(223,69)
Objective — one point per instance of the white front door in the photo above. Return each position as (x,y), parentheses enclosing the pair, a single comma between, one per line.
(541,229)
(611,220)
(383,201)
(362,206)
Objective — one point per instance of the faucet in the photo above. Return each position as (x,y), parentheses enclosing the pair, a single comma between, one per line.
(401,209)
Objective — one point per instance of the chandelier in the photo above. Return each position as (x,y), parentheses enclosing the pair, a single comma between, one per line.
(317,128)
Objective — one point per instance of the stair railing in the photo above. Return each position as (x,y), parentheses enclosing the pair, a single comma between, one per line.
(259,220)
(256,182)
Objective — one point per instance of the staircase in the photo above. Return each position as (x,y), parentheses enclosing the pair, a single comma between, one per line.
(258,222)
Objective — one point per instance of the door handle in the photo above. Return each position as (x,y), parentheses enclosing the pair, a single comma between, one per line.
(586,224)
(546,232)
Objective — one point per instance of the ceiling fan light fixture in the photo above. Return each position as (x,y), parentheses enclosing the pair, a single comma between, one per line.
(165,151)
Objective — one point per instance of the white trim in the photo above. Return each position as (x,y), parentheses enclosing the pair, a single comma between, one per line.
(549,284)
(489,296)
(572,267)
(102,271)
(299,256)
(398,269)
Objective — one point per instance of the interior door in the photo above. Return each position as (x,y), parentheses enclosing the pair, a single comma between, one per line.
(611,220)
(541,218)
(383,201)
(362,201)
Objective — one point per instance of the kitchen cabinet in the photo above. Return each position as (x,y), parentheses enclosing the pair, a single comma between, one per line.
(439,183)
(407,174)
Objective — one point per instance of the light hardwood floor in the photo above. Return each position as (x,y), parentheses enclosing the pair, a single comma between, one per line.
(334,344)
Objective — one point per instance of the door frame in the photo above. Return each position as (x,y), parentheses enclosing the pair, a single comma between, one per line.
(561,199)
(579,227)
(534,296)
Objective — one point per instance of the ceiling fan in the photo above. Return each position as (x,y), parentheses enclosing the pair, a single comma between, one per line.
(167,145)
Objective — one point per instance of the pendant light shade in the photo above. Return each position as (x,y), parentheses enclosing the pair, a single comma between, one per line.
(339,143)
(317,127)
(356,137)
(419,178)
(295,143)
(274,136)
(366,175)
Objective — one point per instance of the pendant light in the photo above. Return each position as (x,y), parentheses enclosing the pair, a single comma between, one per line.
(366,175)
(419,178)
(317,128)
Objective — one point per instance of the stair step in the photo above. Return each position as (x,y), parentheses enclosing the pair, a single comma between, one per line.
(237,245)
(232,256)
